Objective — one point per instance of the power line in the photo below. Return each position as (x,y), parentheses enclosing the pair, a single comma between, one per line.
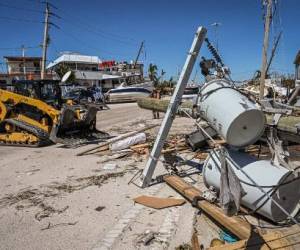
(20,20)
(20,8)
(100,32)
(82,26)
(88,45)
(20,48)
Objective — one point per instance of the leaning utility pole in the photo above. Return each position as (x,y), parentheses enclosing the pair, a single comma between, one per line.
(148,171)
(265,49)
(45,42)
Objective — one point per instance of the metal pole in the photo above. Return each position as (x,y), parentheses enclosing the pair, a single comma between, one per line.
(138,55)
(24,66)
(45,42)
(172,108)
(265,49)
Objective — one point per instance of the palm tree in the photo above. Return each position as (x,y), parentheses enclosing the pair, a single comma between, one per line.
(62,69)
(162,73)
(152,73)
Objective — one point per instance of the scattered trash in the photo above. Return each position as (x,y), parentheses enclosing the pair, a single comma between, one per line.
(110,166)
(113,140)
(36,197)
(184,246)
(49,226)
(47,211)
(146,237)
(158,203)
(198,139)
(127,142)
(227,237)
(99,209)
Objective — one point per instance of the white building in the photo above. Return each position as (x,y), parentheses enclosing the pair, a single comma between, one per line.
(92,71)
(86,69)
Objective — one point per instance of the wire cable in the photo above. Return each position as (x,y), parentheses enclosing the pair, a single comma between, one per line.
(20,8)
(88,45)
(20,20)
(100,32)
(20,48)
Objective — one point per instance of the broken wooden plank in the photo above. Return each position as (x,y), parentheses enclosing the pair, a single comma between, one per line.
(115,139)
(269,241)
(139,146)
(195,242)
(234,224)
(157,202)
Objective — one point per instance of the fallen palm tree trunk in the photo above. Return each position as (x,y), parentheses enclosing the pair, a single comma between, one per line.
(287,128)
(287,124)
(160,105)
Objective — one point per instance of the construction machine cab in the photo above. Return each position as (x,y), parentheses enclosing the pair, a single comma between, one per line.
(48,91)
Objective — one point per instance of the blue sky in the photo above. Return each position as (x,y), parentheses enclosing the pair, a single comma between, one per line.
(114,29)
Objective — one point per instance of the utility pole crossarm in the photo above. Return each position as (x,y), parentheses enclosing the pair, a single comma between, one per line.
(147,174)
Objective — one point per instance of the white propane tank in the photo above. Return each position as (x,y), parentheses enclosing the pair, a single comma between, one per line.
(230,113)
(264,174)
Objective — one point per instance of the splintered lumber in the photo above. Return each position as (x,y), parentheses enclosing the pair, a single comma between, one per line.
(234,224)
(160,105)
(195,242)
(269,241)
(138,146)
(157,202)
(115,139)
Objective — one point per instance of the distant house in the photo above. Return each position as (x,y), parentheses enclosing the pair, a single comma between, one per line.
(297,68)
(18,65)
(76,62)
(86,70)
(22,68)
(130,72)
(92,71)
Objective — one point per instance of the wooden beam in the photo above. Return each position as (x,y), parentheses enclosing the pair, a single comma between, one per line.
(195,242)
(269,241)
(234,224)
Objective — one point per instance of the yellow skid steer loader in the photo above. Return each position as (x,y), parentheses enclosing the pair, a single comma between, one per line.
(33,113)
